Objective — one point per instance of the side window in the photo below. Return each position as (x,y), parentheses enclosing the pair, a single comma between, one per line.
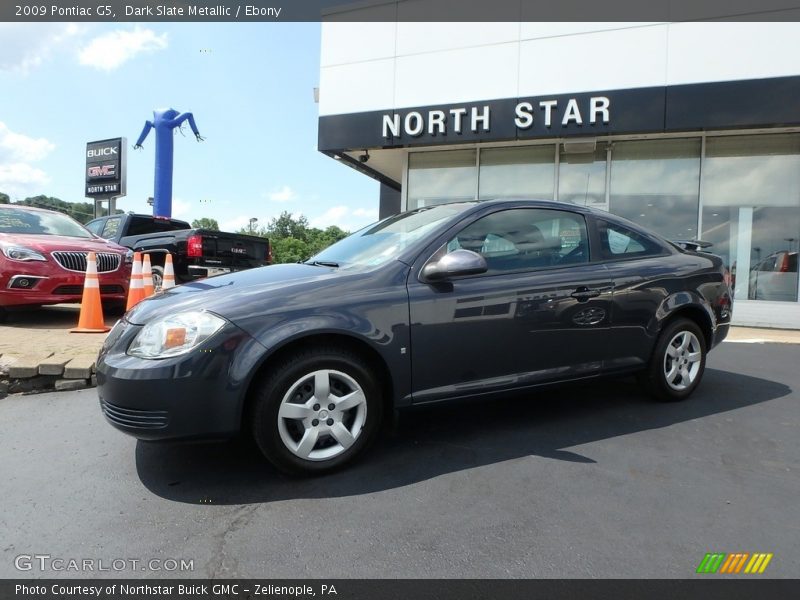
(94,226)
(527,238)
(110,230)
(618,241)
(140,226)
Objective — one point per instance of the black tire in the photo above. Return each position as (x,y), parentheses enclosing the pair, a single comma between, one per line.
(270,431)
(654,378)
(158,277)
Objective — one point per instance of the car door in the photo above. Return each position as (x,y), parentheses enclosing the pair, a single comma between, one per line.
(539,313)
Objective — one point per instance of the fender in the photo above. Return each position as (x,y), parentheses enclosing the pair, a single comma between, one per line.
(391,344)
(677,301)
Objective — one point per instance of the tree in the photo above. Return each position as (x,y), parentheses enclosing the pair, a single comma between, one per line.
(286,226)
(293,240)
(4,198)
(206,223)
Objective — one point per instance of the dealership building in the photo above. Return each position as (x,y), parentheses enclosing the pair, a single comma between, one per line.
(691,129)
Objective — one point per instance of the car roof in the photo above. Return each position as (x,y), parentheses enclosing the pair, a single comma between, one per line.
(540,203)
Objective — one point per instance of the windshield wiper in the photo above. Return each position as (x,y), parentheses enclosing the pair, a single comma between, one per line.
(322,263)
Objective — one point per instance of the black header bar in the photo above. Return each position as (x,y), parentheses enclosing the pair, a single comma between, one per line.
(397,10)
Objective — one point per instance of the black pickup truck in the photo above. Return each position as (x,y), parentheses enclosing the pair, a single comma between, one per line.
(195,252)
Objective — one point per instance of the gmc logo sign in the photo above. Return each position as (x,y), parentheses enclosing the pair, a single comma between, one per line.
(102,171)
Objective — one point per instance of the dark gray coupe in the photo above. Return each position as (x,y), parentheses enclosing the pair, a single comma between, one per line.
(446,302)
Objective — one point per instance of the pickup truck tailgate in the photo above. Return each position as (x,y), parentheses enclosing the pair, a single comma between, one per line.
(233,251)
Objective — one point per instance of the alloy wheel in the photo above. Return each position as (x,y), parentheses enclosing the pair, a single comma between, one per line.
(682,360)
(322,415)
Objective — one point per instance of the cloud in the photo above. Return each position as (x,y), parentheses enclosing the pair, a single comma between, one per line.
(370,213)
(345,217)
(17,177)
(283,194)
(180,208)
(17,146)
(333,216)
(111,50)
(237,223)
(26,45)
(20,179)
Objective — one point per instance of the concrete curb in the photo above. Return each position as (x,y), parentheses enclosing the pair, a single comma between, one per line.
(46,372)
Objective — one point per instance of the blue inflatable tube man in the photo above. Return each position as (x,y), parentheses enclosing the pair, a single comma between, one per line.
(165,120)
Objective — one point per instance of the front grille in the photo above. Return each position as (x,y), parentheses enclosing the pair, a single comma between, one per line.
(139,419)
(76,261)
(77,290)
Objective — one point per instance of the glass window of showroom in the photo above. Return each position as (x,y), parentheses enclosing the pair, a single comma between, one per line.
(741,192)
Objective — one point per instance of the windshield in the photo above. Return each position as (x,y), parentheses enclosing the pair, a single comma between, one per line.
(385,240)
(34,222)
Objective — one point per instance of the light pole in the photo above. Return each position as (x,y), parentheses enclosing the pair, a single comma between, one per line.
(253,221)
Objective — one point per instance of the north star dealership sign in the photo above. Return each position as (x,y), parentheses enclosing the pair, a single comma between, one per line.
(105,168)
(601,112)
(479,118)
(658,109)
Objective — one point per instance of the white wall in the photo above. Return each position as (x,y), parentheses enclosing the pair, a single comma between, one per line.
(378,66)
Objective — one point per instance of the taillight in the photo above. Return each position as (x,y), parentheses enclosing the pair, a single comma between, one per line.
(194,247)
(784,264)
(269,254)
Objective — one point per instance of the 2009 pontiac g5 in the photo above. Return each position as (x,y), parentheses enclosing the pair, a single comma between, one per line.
(445,302)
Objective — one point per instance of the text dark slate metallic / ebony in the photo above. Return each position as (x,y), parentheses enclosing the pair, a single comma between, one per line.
(441,303)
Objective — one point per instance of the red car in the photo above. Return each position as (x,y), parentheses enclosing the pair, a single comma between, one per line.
(43,259)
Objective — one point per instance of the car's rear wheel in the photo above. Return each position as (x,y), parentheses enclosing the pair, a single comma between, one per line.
(678,362)
(158,278)
(316,411)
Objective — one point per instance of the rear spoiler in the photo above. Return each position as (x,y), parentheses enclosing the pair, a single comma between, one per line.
(692,245)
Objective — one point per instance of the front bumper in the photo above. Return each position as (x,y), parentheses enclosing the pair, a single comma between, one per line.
(60,288)
(195,396)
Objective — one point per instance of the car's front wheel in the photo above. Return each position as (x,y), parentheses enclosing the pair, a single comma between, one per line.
(678,362)
(316,411)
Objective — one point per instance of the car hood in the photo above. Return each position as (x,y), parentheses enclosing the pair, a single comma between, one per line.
(230,295)
(50,243)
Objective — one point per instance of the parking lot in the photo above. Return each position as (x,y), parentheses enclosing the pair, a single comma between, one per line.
(585,480)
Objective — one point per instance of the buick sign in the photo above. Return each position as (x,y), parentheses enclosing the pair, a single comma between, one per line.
(105,168)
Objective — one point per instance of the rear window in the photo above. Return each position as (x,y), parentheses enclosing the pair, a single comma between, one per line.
(618,241)
(145,225)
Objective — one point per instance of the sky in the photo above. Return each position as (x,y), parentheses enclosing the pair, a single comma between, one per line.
(249,86)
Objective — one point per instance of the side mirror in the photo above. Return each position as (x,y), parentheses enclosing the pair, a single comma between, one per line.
(458,262)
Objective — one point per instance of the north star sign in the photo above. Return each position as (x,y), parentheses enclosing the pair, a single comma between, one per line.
(597,109)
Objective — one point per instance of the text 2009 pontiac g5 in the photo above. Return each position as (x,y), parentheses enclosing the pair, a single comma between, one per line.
(445,302)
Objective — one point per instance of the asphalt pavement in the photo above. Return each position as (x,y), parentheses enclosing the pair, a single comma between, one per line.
(588,480)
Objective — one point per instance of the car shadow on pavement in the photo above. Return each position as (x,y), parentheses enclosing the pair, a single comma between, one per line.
(446,438)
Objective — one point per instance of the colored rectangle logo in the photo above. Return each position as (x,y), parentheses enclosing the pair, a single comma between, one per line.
(734,563)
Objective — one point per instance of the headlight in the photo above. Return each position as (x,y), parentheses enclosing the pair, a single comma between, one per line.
(175,335)
(21,253)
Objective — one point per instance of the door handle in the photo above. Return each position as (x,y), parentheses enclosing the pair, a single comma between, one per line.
(584,293)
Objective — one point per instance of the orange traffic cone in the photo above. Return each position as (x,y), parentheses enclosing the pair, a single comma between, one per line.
(91,319)
(169,274)
(135,291)
(147,277)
